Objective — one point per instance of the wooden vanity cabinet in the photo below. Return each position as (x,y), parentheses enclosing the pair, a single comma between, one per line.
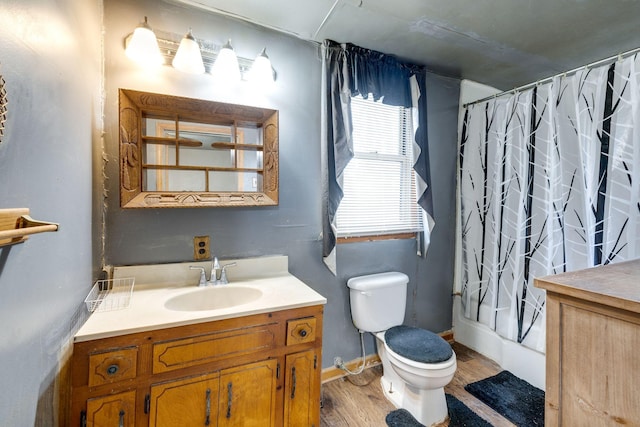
(593,338)
(261,370)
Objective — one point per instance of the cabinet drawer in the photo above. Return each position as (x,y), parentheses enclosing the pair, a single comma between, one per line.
(182,353)
(112,366)
(301,330)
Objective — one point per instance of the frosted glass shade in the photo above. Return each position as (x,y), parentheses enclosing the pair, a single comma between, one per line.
(143,46)
(226,67)
(261,71)
(188,57)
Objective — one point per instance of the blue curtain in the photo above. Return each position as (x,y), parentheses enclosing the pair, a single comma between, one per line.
(350,70)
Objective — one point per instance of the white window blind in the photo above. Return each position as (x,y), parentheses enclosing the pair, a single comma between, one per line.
(379,183)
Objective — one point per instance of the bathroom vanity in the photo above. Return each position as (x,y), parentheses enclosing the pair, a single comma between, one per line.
(593,338)
(255,363)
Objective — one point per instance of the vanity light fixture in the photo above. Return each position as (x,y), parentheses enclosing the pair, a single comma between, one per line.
(143,46)
(226,67)
(188,57)
(196,56)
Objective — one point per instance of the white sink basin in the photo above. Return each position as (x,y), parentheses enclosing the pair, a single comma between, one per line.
(213,298)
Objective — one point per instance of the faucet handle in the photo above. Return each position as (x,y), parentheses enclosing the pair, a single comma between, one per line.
(223,275)
(203,277)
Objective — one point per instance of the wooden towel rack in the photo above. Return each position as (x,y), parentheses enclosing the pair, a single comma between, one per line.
(16,225)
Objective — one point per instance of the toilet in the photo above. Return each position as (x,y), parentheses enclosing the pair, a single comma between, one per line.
(416,364)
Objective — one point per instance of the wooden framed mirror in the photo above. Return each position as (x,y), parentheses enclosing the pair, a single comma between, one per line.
(181,152)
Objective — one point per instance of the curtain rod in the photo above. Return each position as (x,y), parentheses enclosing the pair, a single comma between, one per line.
(575,70)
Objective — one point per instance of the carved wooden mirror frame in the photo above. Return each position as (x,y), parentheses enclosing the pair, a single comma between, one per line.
(132,107)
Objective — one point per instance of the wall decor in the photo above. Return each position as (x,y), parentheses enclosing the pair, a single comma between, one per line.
(3,107)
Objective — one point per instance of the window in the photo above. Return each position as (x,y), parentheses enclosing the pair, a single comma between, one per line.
(379,183)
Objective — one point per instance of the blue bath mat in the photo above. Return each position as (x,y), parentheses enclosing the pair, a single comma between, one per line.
(459,416)
(401,418)
(513,398)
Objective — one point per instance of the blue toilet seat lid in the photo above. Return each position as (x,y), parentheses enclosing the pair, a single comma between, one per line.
(418,344)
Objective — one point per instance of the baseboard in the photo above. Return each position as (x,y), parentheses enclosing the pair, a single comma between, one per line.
(448,336)
(333,373)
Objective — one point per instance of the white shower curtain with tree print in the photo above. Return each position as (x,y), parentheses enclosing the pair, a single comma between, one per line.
(549,182)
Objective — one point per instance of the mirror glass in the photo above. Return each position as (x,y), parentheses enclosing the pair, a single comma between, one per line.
(201,159)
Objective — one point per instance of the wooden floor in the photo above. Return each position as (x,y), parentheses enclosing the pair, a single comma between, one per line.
(358,400)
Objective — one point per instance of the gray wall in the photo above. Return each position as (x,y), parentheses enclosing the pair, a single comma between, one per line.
(292,228)
(50,58)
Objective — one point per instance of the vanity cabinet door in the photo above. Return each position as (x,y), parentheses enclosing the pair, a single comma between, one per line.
(301,396)
(116,410)
(187,402)
(248,395)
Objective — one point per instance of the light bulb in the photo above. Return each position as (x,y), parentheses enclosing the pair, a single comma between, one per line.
(226,66)
(143,46)
(188,57)
(261,71)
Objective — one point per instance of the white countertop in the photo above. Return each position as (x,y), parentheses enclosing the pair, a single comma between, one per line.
(156,284)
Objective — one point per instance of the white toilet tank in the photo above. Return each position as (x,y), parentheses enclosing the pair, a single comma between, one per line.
(378,301)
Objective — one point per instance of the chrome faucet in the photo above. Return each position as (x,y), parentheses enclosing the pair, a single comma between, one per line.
(214,277)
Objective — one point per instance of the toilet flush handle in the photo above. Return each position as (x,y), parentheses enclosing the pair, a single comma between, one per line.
(365,293)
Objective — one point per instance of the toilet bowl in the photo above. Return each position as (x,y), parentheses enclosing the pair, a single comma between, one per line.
(415,386)
(423,375)
(416,364)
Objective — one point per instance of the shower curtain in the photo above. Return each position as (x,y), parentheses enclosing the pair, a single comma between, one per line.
(549,182)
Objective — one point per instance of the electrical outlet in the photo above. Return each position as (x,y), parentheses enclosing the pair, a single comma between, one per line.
(201,249)
(338,362)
